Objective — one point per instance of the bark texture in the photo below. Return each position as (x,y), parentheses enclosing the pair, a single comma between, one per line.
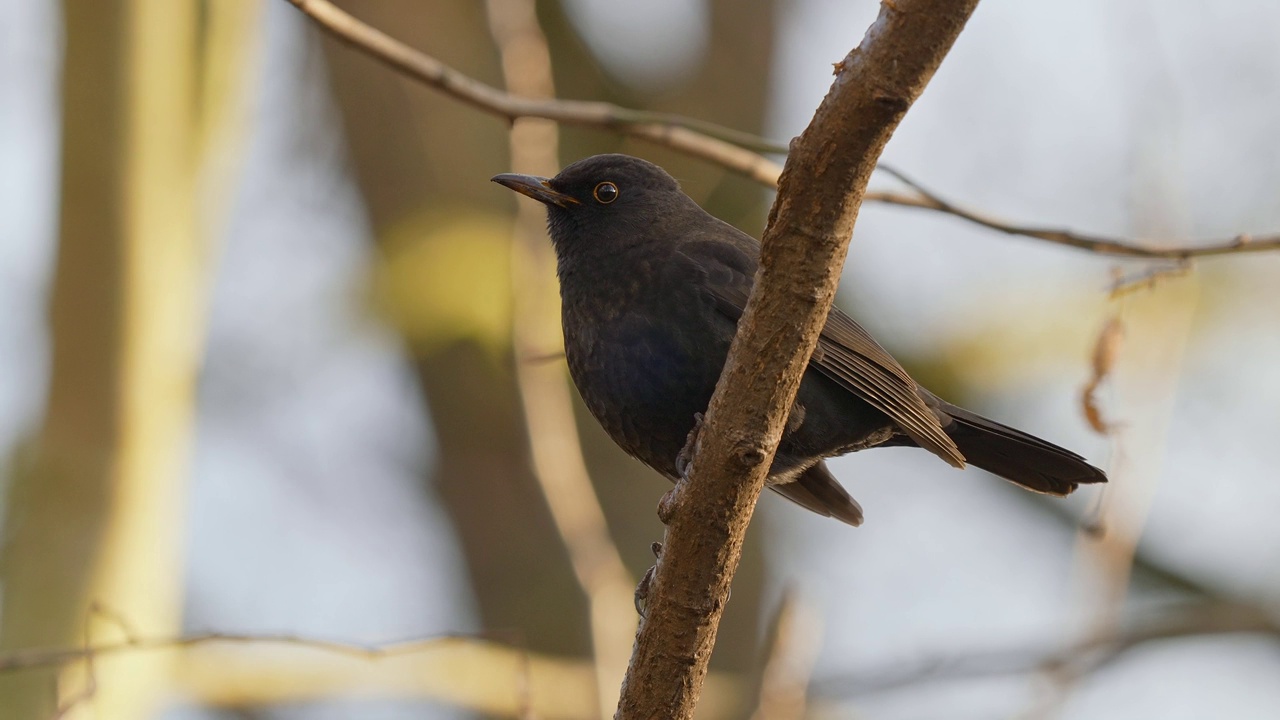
(804,248)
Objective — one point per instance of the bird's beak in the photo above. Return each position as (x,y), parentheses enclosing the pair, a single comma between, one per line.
(535,187)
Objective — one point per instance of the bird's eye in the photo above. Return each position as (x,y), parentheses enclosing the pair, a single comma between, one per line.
(605,193)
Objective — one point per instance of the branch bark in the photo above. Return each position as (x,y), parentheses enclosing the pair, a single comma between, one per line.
(804,247)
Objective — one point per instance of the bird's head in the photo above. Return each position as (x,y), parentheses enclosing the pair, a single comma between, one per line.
(603,196)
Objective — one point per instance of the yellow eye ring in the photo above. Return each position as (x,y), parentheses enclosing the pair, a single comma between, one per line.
(605,193)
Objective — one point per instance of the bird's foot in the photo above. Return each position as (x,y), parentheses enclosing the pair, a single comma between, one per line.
(685,458)
(670,501)
(642,589)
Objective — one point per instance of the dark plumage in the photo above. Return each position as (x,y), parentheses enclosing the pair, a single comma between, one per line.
(652,287)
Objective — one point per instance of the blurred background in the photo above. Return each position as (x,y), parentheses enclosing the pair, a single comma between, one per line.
(258,373)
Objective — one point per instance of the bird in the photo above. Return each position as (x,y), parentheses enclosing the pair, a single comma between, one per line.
(652,287)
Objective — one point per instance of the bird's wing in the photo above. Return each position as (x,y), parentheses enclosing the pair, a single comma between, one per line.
(849,355)
(846,353)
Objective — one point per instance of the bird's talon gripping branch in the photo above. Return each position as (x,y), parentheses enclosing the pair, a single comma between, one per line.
(685,458)
(670,501)
(642,589)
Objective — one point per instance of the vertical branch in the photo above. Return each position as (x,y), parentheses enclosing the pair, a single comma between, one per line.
(1157,331)
(55,507)
(804,247)
(544,391)
(97,513)
(168,135)
(785,682)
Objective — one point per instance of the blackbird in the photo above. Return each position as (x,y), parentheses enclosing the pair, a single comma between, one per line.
(652,287)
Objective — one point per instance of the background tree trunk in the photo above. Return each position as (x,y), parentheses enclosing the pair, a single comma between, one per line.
(402,139)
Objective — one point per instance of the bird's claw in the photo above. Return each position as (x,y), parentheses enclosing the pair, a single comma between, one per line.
(685,458)
(670,501)
(642,589)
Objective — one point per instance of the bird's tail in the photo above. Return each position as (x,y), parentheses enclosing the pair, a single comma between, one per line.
(1016,456)
(818,490)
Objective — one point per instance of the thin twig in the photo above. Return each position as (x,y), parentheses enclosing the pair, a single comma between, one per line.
(1099,244)
(32,658)
(731,149)
(1147,279)
(1082,657)
(721,145)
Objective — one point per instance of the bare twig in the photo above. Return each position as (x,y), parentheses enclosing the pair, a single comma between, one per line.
(1147,567)
(66,701)
(20,660)
(1148,278)
(473,672)
(1100,244)
(1214,618)
(545,397)
(69,701)
(803,250)
(731,149)
(721,145)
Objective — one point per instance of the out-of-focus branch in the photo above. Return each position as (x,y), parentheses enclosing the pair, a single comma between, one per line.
(731,149)
(721,145)
(20,660)
(1157,328)
(95,513)
(785,682)
(1078,659)
(1148,278)
(559,467)
(802,253)
(1147,568)
(243,670)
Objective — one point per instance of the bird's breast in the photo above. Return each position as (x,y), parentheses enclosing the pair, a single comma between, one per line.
(645,367)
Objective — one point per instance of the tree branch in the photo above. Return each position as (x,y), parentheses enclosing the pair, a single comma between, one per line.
(717,144)
(803,251)
(30,658)
(1100,244)
(1080,658)
(731,149)
(784,683)
(473,672)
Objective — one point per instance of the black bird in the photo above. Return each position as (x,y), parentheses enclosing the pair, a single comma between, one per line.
(652,287)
